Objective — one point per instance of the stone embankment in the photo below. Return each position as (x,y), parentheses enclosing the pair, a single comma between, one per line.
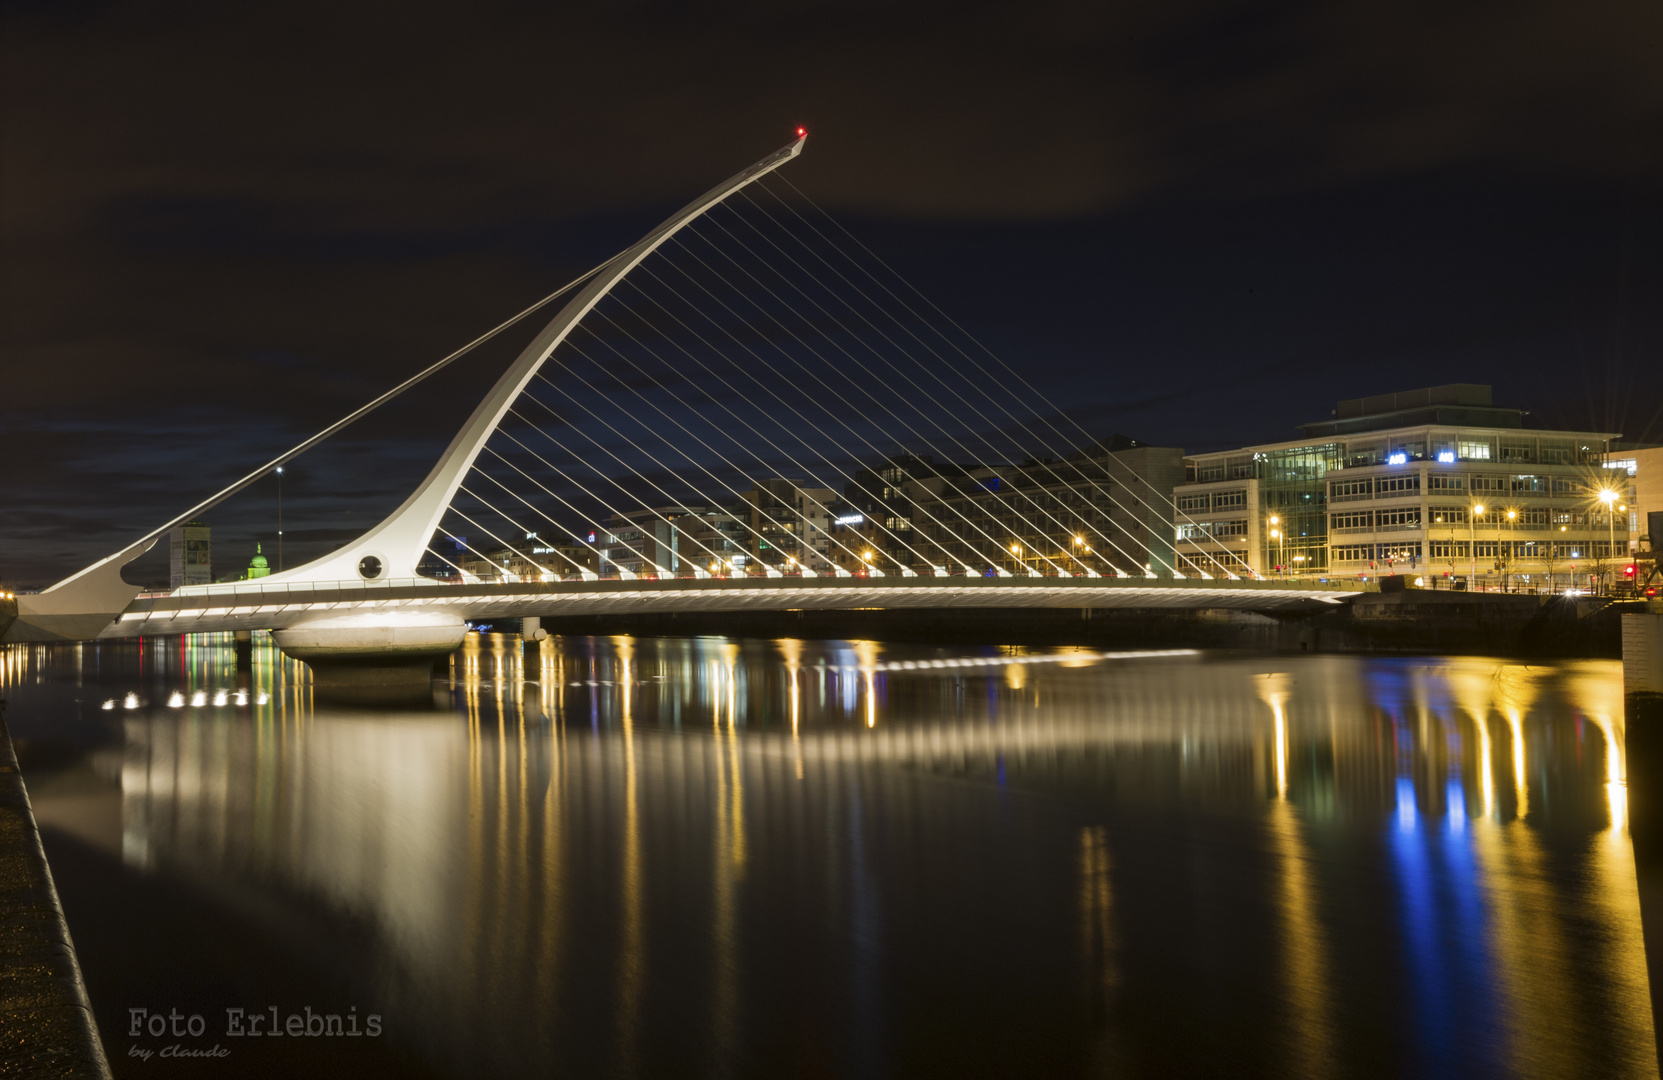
(46,1024)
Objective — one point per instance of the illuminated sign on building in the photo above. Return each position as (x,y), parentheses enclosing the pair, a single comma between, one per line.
(850,519)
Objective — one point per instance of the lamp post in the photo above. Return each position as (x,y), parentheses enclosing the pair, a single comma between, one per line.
(1609,498)
(1276,535)
(1472,544)
(279,519)
(1512,545)
(1016,552)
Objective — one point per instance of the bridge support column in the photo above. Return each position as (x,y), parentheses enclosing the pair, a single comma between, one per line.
(374,658)
(1643,653)
(245,650)
(531,629)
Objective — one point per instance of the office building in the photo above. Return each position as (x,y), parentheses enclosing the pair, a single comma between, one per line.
(1437,482)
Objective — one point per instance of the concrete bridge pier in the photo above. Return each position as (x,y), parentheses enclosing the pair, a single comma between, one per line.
(245,650)
(374,658)
(1643,731)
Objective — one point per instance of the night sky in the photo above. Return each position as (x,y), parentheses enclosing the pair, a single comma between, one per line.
(224,226)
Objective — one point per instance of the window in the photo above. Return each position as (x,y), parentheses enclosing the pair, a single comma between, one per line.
(1193,502)
(1241,471)
(1362,520)
(1396,484)
(1210,471)
(1397,552)
(1193,530)
(1488,483)
(1529,484)
(1353,553)
(1565,485)
(1448,549)
(1350,489)
(1518,451)
(1447,482)
(1472,450)
(1229,528)
(1224,500)
(1536,516)
(1557,453)
(1448,515)
(1398,519)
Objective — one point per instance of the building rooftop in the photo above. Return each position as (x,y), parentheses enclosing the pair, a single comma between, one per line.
(1454,404)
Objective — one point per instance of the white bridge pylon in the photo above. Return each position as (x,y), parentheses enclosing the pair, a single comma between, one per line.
(393,548)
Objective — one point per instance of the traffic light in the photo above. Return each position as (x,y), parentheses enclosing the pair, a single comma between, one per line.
(1628,571)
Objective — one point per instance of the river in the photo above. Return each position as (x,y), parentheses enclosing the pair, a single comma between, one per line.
(683,857)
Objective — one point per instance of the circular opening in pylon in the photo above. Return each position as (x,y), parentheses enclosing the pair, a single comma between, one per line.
(369,567)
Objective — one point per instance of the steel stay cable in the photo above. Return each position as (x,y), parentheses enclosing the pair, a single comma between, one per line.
(529,534)
(460,540)
(488,532)
(774,394)
(626,464)
(933,373)
(845,473)
(725,459)
(896,368)
(870,445)
(954,323)
(1108,459)
(557,497)
(600,446)
(760,536)
(814,352)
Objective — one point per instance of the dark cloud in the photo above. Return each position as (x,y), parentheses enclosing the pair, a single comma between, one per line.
(224,226)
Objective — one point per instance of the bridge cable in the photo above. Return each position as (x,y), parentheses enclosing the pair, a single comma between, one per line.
(795,465)
(1038,463)
(817,355)
(844,229)
(740,417)
(852,430)
(771,392)
(755,485)
(363,410)
(894,367)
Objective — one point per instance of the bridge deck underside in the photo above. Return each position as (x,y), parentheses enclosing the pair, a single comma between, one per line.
(279,609)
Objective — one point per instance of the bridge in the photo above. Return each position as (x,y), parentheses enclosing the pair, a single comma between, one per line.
(700,302)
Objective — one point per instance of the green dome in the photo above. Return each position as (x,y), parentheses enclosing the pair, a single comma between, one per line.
(258,566)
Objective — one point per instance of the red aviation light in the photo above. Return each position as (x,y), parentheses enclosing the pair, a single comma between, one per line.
(802,133)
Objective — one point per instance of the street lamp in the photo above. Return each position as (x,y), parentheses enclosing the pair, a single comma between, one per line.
(1609,498)
(279,519)
(1472,544)
(1512,545)
(1276,535)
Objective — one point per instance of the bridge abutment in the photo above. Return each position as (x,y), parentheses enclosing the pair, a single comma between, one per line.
(373,658)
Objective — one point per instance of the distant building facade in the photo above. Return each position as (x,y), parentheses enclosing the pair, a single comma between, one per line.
(190,555)
(1105,509)
(1436,481)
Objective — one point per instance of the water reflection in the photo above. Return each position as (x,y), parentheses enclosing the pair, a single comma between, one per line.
(660,857)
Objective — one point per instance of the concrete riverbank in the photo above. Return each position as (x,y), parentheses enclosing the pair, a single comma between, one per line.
(46,1022)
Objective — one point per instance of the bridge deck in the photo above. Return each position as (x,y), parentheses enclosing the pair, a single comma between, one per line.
(251,607)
